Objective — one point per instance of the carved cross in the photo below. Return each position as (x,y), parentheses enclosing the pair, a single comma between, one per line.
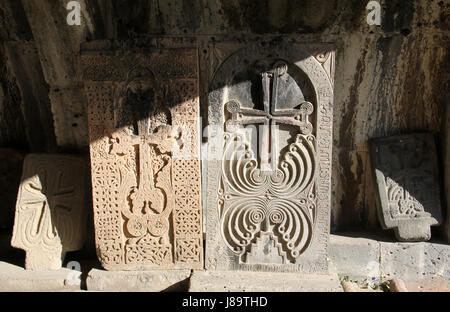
(271,116)
(48,197)
(143,140)
(146,194)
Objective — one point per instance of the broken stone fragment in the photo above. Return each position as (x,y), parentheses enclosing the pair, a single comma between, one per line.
(406,172)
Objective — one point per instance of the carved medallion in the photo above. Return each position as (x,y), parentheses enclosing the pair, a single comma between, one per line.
(268,190)
(405,168)
(143,123)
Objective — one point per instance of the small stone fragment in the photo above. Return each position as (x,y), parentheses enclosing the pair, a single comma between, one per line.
(397,285)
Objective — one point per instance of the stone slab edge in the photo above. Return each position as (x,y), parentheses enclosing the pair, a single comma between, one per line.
(363,258)
(16,279)
(244,281)
(132,281)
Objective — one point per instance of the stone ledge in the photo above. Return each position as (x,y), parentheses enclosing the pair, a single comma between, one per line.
(15,278)
(243,281)
(358,257)
(142,281)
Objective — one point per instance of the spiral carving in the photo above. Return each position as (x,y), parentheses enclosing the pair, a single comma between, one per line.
(278,201)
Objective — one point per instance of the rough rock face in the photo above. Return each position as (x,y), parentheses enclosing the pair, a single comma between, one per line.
(390,79)
(447,172)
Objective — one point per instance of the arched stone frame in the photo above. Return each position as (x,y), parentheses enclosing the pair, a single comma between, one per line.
(314,61)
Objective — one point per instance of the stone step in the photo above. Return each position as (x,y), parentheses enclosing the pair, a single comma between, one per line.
(360,256)
(15,278)
(142,281)
(243,281)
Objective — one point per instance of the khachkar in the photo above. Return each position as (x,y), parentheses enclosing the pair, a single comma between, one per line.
(406,172)
(51,209)
(144,141)
(269,169)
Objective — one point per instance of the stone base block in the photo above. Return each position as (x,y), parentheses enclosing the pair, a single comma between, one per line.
(242,281)
(355,257)
(15,278)
(142,281)
(380,260)
(415,261)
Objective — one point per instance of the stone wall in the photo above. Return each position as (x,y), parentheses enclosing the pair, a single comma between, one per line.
(447,170)
(390,79)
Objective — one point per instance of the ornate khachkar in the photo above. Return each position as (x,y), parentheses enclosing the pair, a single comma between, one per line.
(406,173)
(51,209)
(144,142)
(269,153)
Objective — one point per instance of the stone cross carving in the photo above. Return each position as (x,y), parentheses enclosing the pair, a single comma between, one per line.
(271,116)
(143,111)
(406,174)
(146,195)
(51,210)
(266,213)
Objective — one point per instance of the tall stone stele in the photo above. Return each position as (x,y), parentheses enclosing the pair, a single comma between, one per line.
(51,209)
(143,112)
(407,178)
(269,158)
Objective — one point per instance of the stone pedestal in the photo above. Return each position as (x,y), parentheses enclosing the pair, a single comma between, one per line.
(232,281)
(15,278)
(148,281)
(379,258)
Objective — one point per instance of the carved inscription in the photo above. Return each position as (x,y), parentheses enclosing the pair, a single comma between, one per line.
(144,161)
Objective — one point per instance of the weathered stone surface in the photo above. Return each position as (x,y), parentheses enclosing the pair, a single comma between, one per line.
(14,278)
(11,162)
(374,261)
(12,124)
(269,210)
(436,285)
(60,65)
(406,172)
(148,281)
(355,257)
(447,173)
(414,261)
(390,79)
(232,281)
(51,209)
(354,287)
(397,285)
(143,110)
(35,105)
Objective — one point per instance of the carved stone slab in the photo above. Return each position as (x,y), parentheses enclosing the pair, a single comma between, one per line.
(51,209)
(269,152)
(144,142)
(406,172)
